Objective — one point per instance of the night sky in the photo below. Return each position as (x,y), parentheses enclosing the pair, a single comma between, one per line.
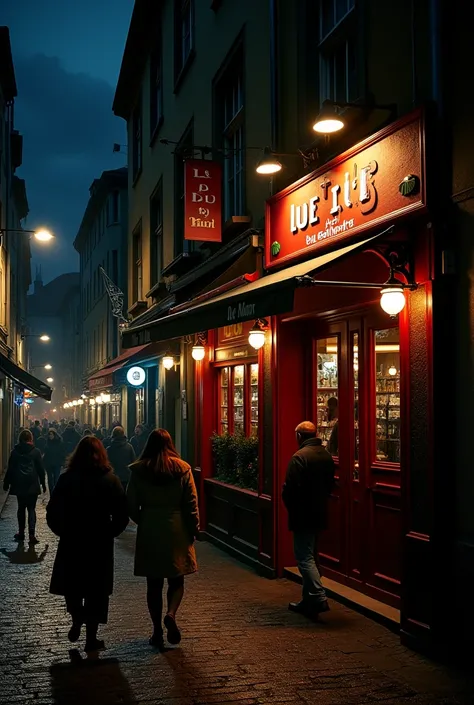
(67,57)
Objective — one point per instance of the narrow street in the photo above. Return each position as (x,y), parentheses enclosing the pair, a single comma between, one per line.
(240,644)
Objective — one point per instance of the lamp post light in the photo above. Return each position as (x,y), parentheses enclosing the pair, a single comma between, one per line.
(41,235)
(41,336)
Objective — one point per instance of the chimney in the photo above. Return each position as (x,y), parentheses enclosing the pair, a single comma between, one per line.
(38,280)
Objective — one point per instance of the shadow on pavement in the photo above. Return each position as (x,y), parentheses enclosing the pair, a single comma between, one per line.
(89,681)
(25,556)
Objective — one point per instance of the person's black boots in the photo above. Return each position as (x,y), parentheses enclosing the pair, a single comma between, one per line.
(92,642)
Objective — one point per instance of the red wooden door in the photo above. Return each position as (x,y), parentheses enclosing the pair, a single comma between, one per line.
(356,361)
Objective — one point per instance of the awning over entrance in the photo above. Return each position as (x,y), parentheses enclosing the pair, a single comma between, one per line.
(23,378)
(268,296)
(104,377)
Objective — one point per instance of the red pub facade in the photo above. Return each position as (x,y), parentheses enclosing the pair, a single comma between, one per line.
(334,356)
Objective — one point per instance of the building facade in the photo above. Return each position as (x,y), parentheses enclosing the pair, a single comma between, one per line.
(102,246)
(15,264)
(53,309)
(304,257)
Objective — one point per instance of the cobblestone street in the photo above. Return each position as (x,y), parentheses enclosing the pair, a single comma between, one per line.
(240,644)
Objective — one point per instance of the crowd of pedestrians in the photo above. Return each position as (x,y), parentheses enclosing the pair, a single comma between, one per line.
(99,481)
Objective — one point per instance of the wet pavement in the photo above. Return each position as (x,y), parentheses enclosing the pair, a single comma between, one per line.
(240,644)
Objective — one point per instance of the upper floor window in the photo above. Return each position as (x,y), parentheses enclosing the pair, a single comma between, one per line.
(137,281)
(156,234)
(182,152)
(156,87)
(137,140)
(183,34)
(337,51)
(230,129)
(113,208)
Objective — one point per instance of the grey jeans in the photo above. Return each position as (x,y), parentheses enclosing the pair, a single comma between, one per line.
(305,548)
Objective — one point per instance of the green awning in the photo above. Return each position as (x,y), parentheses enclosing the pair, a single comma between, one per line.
(23,379)
(270,295)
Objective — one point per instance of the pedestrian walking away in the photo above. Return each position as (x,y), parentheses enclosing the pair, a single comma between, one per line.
(87,510)
(54,458)
(25,478)
(71,438)
(162,501)
(121,455)
(139,440)
(308,484)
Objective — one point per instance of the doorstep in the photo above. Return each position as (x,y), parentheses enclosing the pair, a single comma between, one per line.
(384,614)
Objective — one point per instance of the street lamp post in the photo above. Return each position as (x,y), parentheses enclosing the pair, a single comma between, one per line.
(41,235)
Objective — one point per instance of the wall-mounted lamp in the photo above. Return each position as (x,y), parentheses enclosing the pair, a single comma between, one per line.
(268,164)
(92,402)
(49,380)
(106,398)
(257,333)
(329,119)
(392,371)
(98,400)
(198,351)
(80,402)
(168,362)
(74,403)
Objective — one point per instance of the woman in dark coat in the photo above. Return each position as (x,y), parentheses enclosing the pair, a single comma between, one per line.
(54,457)
(24,478)
(162,501)
(87,510)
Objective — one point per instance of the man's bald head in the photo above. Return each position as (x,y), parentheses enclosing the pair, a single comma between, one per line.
(306,430)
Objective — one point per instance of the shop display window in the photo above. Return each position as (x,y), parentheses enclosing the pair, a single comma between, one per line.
(387,395)
(328,393)
(238,399)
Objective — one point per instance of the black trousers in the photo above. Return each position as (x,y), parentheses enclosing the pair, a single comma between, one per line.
(93,609)
(27,503)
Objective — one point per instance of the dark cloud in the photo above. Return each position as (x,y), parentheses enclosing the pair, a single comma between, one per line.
(69,128)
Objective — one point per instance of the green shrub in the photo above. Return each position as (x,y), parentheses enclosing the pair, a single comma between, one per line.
(236,460)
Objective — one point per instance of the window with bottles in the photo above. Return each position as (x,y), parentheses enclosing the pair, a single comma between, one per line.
(387,395)
(327,350)
(238,399)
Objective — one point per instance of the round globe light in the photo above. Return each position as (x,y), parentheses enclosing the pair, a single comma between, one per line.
(198,352)
(392,300)
(392,371)
(257,338)
(168,362)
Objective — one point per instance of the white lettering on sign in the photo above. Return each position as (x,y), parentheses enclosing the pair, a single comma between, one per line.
(305,215)
(234,313)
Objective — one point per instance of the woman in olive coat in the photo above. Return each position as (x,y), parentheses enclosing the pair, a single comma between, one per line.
(162,501)
(88,508)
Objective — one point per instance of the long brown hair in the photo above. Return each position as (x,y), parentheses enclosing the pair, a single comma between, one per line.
(89,456)
(160,455)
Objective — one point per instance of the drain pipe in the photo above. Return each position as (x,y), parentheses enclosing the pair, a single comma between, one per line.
(274,73)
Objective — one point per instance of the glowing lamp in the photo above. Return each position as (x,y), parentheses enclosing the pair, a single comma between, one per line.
(98,400)
(198,352)
(49,380)
(168,362)
(106,398)
(392,299)
(74,403)
(268,164)
(392,371)
(43,235)
(48,367)
(328,120)
(45,338)
(80,402)
(257,335)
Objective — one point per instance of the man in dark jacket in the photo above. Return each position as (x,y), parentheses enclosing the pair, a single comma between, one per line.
(139,440)
(24,478)
(121,455)
(309,481)
(71,438)
(36,431)
(54,457)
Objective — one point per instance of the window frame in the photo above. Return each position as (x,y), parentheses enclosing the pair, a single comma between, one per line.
(156,86)
(229,129)
(137,140)
(230,365)
(183,9)
(341,34)
(156,235)
(137,263)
